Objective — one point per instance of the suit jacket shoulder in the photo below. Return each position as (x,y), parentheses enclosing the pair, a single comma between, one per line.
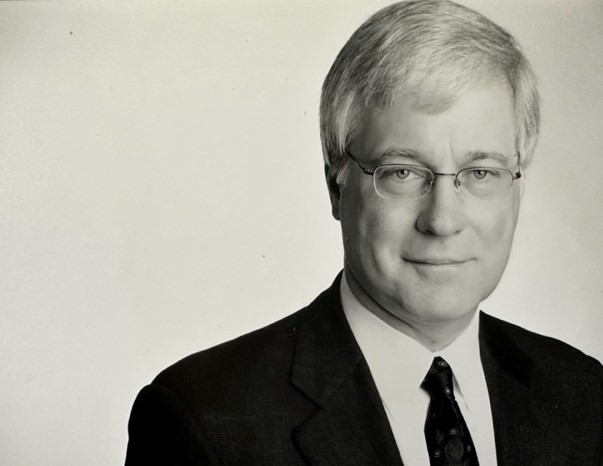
(239,364)
(295,392)
(195,410)
(516,347)
(543,390)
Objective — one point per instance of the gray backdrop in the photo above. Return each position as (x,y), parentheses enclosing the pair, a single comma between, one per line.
(161,191)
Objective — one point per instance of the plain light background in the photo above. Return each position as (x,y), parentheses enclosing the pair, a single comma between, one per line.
(161,191)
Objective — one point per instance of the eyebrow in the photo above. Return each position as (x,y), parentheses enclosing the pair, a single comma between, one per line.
(401,152)
(489,155)
(471,156)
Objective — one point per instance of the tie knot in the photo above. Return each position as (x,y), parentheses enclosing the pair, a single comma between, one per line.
(438,380)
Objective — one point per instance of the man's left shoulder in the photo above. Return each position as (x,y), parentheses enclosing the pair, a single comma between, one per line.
(549,354)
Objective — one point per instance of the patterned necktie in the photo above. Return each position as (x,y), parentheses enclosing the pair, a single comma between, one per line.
(447,435)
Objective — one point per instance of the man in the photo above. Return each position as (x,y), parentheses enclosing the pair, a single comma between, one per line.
(429,117)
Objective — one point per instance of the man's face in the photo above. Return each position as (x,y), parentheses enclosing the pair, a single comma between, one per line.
(435,258)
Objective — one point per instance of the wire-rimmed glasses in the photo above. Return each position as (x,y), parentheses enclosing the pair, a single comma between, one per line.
(407,181)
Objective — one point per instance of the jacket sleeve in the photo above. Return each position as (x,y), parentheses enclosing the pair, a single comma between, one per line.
(163,433)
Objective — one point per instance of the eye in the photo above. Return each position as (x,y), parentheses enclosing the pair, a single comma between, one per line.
(403,173)
(400,174)
(406,173)
(482,174)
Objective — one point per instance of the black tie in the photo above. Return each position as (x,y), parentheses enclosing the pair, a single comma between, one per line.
(447,435)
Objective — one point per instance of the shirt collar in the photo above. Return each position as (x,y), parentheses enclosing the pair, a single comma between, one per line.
(390,353)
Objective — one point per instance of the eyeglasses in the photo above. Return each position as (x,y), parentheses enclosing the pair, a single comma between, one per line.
(400,180)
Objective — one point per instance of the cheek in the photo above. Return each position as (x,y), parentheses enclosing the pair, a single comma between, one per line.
(498,227)
(364,221)
(375,234)
(358,222)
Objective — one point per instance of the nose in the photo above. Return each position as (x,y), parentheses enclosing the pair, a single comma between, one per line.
(442,212)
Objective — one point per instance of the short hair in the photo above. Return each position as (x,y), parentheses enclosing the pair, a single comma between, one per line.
(430,49)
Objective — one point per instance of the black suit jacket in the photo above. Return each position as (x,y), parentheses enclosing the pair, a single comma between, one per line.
(300,392)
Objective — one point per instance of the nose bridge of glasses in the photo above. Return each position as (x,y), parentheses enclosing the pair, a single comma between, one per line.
(455,180)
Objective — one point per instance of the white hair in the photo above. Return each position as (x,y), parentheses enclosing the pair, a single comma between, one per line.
(433,50)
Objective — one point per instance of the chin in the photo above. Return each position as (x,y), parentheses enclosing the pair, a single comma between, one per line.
(441,308)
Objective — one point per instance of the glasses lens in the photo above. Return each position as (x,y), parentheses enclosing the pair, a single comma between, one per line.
(401,181)
(485,182)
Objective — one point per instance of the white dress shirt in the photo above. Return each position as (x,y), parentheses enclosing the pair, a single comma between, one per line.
(398,364)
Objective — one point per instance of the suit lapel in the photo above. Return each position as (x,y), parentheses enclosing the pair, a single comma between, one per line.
(349,425)
(521,409)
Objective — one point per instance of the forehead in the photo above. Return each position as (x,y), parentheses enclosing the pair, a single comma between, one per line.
(481,119)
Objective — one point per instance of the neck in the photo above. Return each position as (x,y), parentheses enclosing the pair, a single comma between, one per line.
(433,335)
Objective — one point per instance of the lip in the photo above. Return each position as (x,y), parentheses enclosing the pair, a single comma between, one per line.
(438,261)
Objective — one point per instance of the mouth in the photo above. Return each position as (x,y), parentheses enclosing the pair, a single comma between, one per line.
(438,262)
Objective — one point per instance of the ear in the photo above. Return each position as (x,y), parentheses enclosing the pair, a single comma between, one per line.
(334,192)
